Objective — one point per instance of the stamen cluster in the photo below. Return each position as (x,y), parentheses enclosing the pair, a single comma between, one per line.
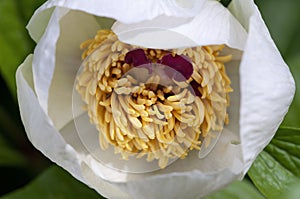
(148,115)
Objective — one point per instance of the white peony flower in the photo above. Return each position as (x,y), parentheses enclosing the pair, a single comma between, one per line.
(263,89)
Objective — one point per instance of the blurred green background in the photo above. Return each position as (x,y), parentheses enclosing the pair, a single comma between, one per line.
(25,173)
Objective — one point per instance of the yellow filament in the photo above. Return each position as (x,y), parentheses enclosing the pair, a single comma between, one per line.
(161,122)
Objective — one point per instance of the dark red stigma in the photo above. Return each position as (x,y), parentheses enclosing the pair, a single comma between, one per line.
(136,57)
(177,63)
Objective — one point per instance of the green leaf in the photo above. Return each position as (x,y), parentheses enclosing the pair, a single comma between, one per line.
(27,7)
(285,148)
(277,167)
(240,189)
(292,193)
(292,118)
(282,19)
(9,156)
(54,183)
(14,40)
(269,176)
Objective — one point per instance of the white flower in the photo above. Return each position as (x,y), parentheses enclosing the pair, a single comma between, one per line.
(263,88)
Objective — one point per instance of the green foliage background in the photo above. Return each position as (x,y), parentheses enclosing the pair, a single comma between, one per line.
(26,174)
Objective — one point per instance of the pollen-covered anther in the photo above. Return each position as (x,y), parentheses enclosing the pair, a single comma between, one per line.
(141,113)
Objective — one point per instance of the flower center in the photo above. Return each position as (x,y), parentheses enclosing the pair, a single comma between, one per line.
(158,103)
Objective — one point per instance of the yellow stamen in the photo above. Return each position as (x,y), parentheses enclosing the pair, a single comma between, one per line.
(147,118)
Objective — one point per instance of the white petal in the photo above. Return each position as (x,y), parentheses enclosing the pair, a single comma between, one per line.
(56,61)
(128,11)
(191,177)
(38,23)
(44,59)
(267,86)
(186,178)
(214,24)
(49,141)
(195,184)
(75,27)
(39,128)
(90,175)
